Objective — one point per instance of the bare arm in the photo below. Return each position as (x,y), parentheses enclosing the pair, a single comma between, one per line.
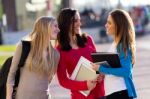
(12,71)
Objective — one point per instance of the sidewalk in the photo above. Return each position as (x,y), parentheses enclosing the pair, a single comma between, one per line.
(14,37)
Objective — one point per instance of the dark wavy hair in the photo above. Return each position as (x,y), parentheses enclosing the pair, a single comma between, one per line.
(66,19)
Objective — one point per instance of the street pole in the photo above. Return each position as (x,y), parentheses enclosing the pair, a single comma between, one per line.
(1,13)
(119,6)
(66,3)
(1,39)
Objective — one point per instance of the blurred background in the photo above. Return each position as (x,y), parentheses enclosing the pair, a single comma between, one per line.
(17,18)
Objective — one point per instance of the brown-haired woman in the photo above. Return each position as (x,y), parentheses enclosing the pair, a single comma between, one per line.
(118,81)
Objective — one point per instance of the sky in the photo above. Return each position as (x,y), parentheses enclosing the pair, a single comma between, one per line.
(114,2)
(132,2)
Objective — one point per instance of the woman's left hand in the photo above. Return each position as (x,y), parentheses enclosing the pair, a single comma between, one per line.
(100,77)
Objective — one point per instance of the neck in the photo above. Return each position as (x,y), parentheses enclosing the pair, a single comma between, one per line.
(72,38)
(73,42)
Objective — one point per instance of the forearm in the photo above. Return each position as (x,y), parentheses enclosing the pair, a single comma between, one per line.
(12,72)
(72,84)
(68,83)
(123,72)
(9,91)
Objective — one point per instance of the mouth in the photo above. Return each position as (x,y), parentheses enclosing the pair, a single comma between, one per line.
(56,33)
(107,29)
(78,29)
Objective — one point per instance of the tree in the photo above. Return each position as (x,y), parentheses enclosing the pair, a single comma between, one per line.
(9,8)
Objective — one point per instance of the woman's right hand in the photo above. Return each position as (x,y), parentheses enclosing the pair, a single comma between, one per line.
(95,66)
(91,84)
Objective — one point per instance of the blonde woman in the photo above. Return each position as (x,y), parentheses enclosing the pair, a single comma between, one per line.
(40,65)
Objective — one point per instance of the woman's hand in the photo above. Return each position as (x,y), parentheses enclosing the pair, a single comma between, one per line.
(91,84)
(95,66)
(100,77)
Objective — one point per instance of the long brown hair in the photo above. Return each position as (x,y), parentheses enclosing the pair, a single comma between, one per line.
(125,33)
(43,58)
(66,19)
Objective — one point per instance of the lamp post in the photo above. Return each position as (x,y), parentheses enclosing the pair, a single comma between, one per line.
(66,3)
(1,13)
(119,6)
(9,9)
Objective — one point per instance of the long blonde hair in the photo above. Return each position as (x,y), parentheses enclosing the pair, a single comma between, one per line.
(125,32)
(43,58)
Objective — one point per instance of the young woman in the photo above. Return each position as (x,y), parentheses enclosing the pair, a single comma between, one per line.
(40,65)
(72,45)
(118,81)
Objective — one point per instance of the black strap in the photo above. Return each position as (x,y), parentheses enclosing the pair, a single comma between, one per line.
(26,45)
(6,66)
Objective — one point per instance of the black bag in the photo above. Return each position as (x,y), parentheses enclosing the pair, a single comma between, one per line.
(5,70)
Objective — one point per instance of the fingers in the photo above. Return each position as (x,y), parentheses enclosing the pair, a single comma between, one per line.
(91,84)
(95,66)
(100,78)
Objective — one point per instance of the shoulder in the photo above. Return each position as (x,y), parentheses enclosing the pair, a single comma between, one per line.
(19,45)
(22,44)
(57,52)
(60,51)
(86,35)
(58,48)
(122,53)
(90,40)
(89,37)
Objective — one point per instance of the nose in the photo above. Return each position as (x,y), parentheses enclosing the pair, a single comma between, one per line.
(106,25)
(58,29)
(79,23)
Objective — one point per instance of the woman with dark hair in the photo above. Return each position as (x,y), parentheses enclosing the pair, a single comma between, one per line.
(72,44)
(118,81)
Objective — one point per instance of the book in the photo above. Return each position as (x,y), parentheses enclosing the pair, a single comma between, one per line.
(83,71)
(111,57)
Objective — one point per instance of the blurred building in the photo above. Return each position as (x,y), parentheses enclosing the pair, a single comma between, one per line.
(28,10)
(21,14)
